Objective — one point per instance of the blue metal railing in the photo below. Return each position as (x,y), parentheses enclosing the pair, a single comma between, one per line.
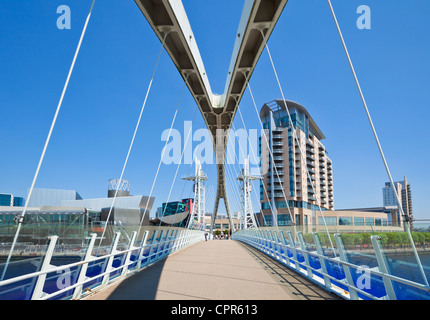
(354,276)
(55,280)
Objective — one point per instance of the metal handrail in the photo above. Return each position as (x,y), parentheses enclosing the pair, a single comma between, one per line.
(170,243)
(264,243)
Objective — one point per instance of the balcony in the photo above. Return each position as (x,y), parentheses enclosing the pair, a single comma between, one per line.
(309,156)
(278,151)
(310,163)
(310,150)
(277,136)
(278,158)
(278,144)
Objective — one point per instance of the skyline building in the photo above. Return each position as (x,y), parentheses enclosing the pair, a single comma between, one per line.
(9,200)
(403,190)
(295,167)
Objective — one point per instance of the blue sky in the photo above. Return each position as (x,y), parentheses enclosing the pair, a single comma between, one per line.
(108,86)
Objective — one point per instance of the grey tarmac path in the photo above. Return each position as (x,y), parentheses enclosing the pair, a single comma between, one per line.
(214,270)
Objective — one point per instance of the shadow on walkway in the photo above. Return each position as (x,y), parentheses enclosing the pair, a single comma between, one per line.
(296,285)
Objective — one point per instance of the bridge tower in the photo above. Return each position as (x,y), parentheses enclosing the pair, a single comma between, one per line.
(247,218)
(197,218)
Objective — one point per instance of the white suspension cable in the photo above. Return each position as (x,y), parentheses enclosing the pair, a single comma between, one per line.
(255,160)
(21,218)
(293,224)
(178,166)
(378,143)
(133,138)
(296,138)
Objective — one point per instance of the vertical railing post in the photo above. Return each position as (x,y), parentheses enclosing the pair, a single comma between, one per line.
(154,243)
(128,256)
(342,256)
(305,254)
(83,272)
(178,240)
(175,240)
(383,267)
(320,251)
(142,249)
(275,244)
(165,251)
(46,265)
(109,264)
(284,246)
(293,249)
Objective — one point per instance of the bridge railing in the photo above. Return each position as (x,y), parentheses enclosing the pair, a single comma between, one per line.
(365,274)
(97,268)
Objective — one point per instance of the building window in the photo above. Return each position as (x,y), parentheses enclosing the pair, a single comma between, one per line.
(359,221)
(345,221)
(370,222)
(330,221)
(284,220)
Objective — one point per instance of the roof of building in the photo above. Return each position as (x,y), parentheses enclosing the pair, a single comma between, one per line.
(268,107)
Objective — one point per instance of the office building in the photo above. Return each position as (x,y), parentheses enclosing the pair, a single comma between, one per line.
(65,213)
(51,197)
(9,200)
(175,213)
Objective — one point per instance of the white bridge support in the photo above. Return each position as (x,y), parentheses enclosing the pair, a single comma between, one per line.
(247,218)
(197,214)
(169,21)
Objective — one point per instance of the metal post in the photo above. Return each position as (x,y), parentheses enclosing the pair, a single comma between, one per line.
(342,256)
(304,250)
(293,248)
(322,261)
(130,247)
(383,267)
(46,265)
(142,249)
(284,245)
(111,258)
(82,273)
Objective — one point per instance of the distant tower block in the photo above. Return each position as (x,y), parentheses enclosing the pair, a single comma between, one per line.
(123,187)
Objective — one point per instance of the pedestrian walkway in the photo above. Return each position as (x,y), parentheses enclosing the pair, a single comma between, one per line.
(215,270)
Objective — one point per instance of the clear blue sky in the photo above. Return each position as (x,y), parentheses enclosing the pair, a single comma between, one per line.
(108,86)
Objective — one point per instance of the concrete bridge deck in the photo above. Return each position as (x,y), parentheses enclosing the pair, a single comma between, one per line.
(215,270)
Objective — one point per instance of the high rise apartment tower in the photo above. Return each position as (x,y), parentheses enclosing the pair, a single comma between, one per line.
(297,174)
(403,190)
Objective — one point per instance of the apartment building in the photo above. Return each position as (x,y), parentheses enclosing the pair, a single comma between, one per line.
(403,190)
(296,169)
